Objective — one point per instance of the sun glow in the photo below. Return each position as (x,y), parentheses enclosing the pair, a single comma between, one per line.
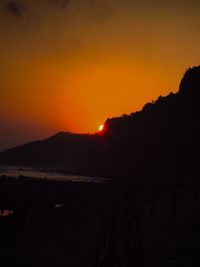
(101,127)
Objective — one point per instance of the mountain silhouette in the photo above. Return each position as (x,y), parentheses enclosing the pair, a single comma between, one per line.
(161,140)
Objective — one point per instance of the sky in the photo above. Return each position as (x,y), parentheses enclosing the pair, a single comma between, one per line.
(68,65)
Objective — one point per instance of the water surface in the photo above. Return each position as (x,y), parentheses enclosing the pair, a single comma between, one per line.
(49,174)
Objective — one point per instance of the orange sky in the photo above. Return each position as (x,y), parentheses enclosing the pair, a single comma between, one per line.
(69,65)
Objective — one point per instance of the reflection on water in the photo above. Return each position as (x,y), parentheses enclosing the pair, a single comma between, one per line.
(5,213)
(56,206)
(14,171)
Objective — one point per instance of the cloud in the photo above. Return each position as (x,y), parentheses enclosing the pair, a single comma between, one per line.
(14,8)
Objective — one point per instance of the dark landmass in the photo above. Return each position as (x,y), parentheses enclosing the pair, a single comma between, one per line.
(160,140)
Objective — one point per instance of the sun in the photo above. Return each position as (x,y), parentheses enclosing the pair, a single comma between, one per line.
(101,127)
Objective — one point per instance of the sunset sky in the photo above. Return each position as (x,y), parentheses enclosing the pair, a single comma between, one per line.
(68,65)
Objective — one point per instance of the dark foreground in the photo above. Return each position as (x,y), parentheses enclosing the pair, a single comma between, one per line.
(55,223)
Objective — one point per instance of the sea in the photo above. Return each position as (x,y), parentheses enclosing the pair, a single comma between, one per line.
(47,174)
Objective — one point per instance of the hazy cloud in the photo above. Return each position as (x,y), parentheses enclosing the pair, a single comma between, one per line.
(14,8)
(33,11)
(100,11)
(95,10)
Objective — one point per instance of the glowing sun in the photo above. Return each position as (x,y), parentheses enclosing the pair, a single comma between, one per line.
(101,127)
